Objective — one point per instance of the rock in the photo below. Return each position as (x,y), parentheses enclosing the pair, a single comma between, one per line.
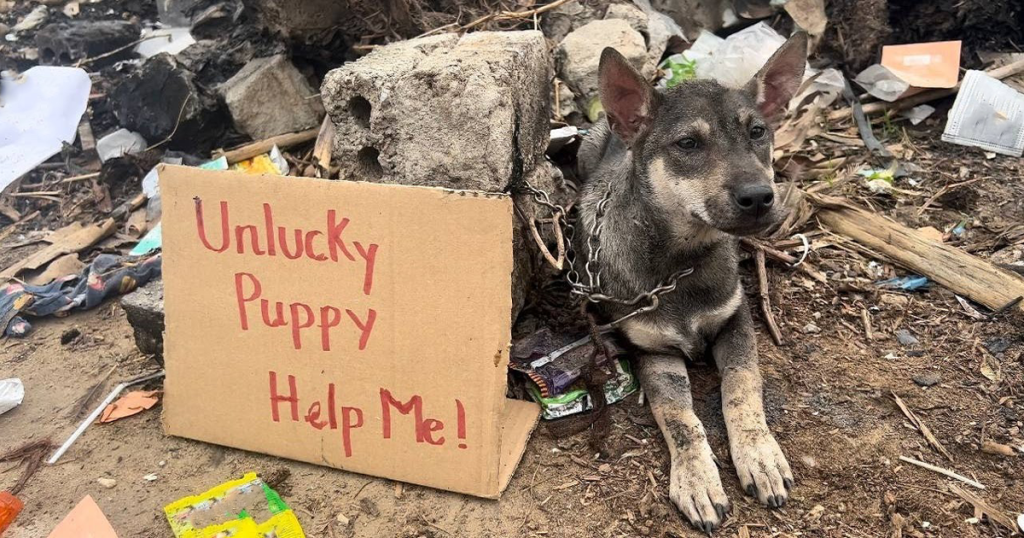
(579,54)
(108,483)
(904,337)
(163,94)
(811,328)
(33,20)
(269,96)
(177,13)
(443,111)
(636,18)
(144,308)
(928,379)
(66,43)
(70,335)
(559,22)
(893,299)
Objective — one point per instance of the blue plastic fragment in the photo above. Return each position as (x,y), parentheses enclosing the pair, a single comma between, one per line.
(906,283)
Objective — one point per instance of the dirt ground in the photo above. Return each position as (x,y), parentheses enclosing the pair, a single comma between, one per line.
(828,391)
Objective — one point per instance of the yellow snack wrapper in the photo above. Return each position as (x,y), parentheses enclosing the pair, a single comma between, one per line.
(243,508)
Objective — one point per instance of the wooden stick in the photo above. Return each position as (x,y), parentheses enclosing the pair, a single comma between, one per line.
(961,272)
(943,472)
(260,147)
(753,245)
(865,318)
(921,427)
(766,302)
(998,73)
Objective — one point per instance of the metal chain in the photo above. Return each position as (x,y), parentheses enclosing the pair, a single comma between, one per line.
(593,290)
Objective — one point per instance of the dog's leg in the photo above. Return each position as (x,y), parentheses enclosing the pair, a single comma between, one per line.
(694,486)
(762,469)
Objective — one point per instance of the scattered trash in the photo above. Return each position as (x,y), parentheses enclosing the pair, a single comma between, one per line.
(164,40)
(118,143)
(130,404)
(244,507)
(882,83)
(107,275)
(928,379)
(85,520)
(270,163)
(554,377)
(904,337)
(924,65)
(12,393)
(149,243)
(1020,522)
(41,110)
(152,477)
(918,114)
(987,114)
(96,413)
(33,20)
(969,309)
(905,283)
(562,137)
(10,507)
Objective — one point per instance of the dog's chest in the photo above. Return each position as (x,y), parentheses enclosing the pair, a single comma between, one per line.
(665,333)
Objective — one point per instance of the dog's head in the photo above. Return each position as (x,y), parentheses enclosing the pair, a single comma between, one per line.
(705,150)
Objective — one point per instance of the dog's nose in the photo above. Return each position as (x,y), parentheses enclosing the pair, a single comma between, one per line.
(754,198)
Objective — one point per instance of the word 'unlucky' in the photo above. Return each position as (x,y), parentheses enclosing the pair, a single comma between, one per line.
(323,245)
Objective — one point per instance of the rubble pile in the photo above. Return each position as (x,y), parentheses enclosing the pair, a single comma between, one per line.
(908,113)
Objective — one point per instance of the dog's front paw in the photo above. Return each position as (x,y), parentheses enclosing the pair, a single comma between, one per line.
(762,469)
(696,488)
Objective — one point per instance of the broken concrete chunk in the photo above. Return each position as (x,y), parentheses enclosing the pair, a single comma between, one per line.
(66,43)
(162,98)
(558,22)
(269,96)
(579,54)
(469,113)
(145,310)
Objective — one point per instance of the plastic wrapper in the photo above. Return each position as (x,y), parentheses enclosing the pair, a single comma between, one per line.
(243,508)
(987,114)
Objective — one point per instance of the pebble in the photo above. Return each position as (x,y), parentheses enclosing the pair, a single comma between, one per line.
(150,478)
(161,463)
(904,337)
(108,483)
(928,379)
(811,328)
(604,468)
(342,520)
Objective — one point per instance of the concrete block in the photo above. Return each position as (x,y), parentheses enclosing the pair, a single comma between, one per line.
(462,113)
(579,54)
(145,310)
(269,96)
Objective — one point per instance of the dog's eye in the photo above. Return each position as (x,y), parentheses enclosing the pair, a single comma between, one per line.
(757,132)
(687,143)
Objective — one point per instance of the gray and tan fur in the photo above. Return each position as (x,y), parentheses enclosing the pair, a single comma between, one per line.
(690,169)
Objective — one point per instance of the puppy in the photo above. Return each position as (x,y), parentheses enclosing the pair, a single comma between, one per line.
(685,171)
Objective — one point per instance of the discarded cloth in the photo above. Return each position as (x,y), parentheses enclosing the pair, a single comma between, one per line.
(107,275)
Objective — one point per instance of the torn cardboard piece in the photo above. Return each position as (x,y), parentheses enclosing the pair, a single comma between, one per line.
(130,404)
(85,520)
(359,326)
(924,65)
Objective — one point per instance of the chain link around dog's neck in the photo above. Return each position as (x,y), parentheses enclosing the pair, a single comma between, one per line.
(593,290)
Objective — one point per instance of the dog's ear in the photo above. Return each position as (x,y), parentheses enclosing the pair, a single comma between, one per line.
(627,98)
(777,82)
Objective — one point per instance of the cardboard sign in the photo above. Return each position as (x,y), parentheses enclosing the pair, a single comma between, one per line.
(355,325)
